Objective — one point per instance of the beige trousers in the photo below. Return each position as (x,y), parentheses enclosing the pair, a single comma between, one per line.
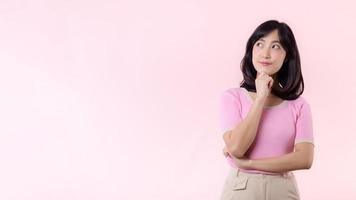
(247,186)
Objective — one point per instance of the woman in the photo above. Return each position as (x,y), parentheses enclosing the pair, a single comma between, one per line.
(266,123)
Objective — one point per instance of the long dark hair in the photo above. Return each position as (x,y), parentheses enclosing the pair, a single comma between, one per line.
(290,74)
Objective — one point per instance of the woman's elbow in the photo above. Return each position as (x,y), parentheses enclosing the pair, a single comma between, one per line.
(236,151)
(306,163)
(305,155)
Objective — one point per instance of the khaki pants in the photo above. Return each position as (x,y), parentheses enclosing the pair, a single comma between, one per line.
(247,186)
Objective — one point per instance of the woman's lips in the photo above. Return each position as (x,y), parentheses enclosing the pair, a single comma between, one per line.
(265,63)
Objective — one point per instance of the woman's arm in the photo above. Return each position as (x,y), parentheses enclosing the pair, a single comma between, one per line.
(242,136)
(239,139)
(301,158)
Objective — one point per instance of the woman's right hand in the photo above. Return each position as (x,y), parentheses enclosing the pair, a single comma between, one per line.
(263,84)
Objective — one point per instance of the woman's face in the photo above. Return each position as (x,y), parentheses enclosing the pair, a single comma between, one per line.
(268,54)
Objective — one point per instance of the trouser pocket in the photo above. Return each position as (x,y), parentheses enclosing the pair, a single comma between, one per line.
(240,189)
(240,183)
(234,185)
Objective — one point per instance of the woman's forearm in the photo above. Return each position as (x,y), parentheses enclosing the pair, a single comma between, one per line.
(242,136)
(288,162)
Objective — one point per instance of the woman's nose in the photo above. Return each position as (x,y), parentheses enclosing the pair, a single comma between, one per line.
(266,53)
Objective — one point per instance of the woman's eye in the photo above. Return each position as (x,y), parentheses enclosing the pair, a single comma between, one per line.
(258,44)
(276,46)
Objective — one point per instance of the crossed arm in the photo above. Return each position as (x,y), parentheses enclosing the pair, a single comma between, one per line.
(301,158)
(239,139)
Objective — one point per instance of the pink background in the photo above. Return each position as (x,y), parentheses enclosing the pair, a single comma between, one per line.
(119,99)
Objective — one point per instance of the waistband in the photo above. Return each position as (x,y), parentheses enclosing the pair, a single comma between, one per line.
(261,175)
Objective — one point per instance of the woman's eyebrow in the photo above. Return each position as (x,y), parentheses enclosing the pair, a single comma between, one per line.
(274,41)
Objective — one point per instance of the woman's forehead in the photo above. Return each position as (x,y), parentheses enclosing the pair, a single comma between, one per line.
(273,35)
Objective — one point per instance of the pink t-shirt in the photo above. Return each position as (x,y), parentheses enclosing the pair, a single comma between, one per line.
(280,127)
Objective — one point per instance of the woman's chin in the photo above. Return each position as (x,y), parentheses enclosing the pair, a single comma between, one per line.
(266,71)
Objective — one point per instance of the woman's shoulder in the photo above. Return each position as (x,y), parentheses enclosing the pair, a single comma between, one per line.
(232,91)
(300,103)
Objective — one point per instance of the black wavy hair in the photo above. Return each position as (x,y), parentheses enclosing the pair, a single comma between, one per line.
(290,74)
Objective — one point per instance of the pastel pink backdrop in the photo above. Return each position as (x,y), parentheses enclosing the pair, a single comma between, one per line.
(119,99)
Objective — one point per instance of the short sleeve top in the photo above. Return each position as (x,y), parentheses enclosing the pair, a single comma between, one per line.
(280,128)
